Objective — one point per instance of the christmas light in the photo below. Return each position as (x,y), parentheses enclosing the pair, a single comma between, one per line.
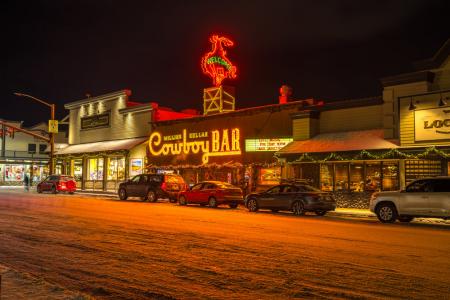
(215,64)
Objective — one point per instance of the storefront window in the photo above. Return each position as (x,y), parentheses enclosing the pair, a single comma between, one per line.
(356,177)
(116,168)
(341,177)
(78,169)
(270,176)
(95,169)
(326,177)
(309,173)
(390,176)
(373,176)
(14,172)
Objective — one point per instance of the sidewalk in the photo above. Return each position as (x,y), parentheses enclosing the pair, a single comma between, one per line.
(19,285)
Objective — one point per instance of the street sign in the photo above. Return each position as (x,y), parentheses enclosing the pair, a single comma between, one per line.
(53,126)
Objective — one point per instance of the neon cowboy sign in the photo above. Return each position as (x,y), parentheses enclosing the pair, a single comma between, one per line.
(215,63)
(223,142)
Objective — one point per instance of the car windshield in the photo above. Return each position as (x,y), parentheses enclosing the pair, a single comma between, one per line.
(174,179)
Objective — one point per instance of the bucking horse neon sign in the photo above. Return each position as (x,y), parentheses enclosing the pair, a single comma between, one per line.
(215,64)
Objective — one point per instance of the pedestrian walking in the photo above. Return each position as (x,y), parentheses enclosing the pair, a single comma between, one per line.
(26,182)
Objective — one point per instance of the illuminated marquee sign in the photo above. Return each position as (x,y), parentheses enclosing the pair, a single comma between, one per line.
(264,145)
(215,64)
(209,143)
(432,124)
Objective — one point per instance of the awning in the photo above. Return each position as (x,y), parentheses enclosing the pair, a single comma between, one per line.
(115,145)
(340,142)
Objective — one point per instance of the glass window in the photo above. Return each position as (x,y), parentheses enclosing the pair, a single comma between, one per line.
(356,177)
(31,148)
(341,177)
(42,148)
(373,176)
(390,176)
(116,168)
(78,169)
(417,186)
(144,178)
(274,190)
(136,179)
(289,189)
(209,186)
(95,169)
(270,176)
(14,172)
(156,178)
(197,187)
(441,185)
(326,177)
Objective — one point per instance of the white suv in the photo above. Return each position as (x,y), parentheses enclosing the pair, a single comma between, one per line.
(426,198)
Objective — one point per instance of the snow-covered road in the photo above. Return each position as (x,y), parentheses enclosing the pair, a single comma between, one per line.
(136,250)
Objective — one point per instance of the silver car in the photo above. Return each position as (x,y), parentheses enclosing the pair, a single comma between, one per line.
(425,198)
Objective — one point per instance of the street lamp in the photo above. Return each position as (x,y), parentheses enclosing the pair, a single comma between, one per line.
(51,131)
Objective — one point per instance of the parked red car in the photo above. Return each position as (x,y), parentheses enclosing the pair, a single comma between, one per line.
(57,183)
(212,193)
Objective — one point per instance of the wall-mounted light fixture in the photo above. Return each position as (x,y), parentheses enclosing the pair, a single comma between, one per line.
(411,105)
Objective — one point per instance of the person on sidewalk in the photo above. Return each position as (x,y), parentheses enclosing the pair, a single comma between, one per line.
(26,182)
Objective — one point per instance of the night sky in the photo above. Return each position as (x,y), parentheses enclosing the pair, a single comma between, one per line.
(330,50)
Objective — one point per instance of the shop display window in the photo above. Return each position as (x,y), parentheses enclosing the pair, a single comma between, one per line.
(136,166)
(373,176)
(309,173)
(270,176)
(326,177)
(14,172)
(390,176)
(95,169)
(357,177)
(341,177)
(116,168)
(78,169)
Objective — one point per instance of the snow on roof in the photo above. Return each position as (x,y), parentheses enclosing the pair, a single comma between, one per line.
(340,141)
(102,146)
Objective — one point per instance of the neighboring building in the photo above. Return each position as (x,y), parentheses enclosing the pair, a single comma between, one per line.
(355,147)
(22,154)
(107,136)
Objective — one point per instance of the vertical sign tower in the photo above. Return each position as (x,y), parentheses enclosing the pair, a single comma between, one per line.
(216,65)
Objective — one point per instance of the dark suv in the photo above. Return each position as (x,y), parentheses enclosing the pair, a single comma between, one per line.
(152,187)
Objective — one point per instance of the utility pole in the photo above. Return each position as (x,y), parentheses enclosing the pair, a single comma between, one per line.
(53,128)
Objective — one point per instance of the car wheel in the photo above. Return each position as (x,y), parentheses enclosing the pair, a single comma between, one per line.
(275,210)
(39,190)
(386,213)
(54,191)
(123,194)
(151,196)
(320,212)
(252,205)
(233,205)
(182,200)
(212,202)
(298,208)
(405,219)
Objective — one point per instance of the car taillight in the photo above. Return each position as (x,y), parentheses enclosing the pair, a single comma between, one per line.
(164,186)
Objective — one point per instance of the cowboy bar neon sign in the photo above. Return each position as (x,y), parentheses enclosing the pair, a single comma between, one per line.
(215,64)
(221,143)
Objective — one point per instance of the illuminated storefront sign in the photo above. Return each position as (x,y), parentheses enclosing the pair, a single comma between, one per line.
(209,143)
(432,124)
(263,145)
(215,64)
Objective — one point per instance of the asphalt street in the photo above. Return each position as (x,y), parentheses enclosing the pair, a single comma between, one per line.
(113,249)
